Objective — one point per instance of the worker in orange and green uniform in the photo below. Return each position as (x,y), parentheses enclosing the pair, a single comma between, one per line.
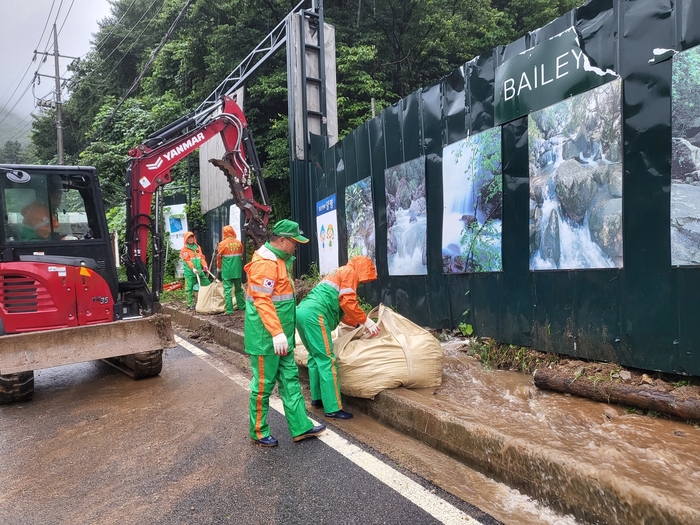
(332,300)
(269,336)
(195,263)
(229,262)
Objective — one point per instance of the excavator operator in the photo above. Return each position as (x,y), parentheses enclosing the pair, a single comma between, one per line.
(40,217)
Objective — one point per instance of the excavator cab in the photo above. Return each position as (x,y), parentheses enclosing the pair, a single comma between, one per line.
(53,219)
(67,196)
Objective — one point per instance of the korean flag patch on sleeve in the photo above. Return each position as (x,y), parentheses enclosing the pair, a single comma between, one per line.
(269,283)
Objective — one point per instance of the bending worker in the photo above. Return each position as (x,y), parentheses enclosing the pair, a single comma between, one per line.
(195,264)
(229,262)
(269,336)
(332,300)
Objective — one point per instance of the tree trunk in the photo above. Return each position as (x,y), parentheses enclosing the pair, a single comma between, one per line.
(615,392)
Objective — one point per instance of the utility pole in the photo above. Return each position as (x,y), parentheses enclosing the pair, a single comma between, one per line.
(57,103)
(59,123)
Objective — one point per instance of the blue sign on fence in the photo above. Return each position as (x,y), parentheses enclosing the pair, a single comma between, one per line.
(326,205)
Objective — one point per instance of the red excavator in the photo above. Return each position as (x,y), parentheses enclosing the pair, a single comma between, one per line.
(61,301)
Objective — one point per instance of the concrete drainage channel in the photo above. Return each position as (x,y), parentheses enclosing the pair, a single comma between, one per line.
(567,486)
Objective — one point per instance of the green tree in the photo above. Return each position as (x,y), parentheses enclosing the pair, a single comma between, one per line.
(522,16)
(359,82)
(13,153)
(109,153)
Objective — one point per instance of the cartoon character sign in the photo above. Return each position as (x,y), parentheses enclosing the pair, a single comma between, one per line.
(330,234)
(326,218)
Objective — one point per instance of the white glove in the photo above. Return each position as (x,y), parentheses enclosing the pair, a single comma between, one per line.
(280,343)
(372,327)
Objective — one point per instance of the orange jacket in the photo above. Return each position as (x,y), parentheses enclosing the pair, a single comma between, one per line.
(230,250)
(189,255)
(38,217)
(335,297)
(271,292)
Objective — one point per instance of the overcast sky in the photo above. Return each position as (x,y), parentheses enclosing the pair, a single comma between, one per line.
(24,22)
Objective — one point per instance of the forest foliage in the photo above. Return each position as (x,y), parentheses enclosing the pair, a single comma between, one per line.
(144,71)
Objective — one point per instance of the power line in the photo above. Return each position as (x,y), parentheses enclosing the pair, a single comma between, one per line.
(94,70)
(66,17)
(9,112)
(46,24)
(104,39)
(43,32)
(48,40)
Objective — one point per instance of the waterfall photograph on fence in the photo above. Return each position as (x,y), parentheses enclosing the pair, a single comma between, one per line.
(685,159)
(359,218)
(575,167)
(406,218)
(472,184)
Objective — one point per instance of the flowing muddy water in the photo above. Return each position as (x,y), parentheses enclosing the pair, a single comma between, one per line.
(657,454)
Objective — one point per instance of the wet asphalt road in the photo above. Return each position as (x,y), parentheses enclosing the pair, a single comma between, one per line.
(96,447)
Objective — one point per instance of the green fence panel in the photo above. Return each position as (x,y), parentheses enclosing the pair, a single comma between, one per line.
(687,23)
(552,328)
(432,131)
(597,312)
(596,23)
(650,296)
(686,348)
(642,314)
(517,304)
(363,154)
(486,298)
(350,177)
(453,106)
(481,73)
(411,126)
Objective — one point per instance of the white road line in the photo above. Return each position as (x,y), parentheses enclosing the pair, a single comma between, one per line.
(409,489)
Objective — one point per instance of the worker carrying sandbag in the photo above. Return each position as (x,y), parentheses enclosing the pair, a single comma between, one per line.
(195,263)
(331,301)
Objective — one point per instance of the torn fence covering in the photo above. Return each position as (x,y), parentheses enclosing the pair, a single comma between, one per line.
(549,72)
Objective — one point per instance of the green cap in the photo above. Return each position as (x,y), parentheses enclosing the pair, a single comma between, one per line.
(290,229)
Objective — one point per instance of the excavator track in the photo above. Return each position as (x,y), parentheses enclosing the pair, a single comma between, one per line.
(16,387)
(138,366)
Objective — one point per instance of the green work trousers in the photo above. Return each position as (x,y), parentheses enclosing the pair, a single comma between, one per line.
(230,285)
(324,382)
(269,370)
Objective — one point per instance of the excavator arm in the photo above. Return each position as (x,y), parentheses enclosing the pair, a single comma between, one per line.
(149,168)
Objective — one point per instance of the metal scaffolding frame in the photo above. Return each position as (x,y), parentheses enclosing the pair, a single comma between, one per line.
(256,58)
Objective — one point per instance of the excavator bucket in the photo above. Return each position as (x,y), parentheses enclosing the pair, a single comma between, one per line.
(133,341)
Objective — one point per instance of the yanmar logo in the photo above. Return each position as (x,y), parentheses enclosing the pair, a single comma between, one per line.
(184,147)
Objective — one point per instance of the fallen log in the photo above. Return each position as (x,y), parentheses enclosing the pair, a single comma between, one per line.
(675,403)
